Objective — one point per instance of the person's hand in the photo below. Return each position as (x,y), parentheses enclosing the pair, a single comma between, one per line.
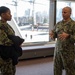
(51,34)
(63,36)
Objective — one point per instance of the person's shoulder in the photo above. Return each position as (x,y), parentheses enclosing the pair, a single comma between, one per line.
(73,22)
(58,23)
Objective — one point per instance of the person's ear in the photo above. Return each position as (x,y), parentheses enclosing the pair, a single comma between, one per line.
(2,14)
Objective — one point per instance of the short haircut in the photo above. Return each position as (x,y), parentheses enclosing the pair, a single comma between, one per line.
(3,9)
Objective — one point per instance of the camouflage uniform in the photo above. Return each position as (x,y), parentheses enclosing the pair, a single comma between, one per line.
(64,54)
(6,66)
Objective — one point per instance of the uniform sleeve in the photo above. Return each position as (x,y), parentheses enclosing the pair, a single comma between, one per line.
(54,32)
(72,35)
(4,40)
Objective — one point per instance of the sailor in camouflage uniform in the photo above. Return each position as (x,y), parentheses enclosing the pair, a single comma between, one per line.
(6,66)
(64,54)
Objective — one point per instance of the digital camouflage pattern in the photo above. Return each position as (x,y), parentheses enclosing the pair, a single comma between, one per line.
(6,66)
(4,40)
(64,54)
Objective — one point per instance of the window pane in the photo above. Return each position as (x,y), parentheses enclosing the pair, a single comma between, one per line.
(33,20)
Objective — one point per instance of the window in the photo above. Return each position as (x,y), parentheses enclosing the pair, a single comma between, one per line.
(32,18)
(60,5)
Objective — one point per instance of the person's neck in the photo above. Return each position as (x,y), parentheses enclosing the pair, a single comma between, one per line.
(65,20)
(3,21)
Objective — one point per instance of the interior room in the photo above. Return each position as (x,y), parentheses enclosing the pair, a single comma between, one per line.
(33,20)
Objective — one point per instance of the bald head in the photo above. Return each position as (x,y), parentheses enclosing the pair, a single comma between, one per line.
(68,9)
(66,13)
